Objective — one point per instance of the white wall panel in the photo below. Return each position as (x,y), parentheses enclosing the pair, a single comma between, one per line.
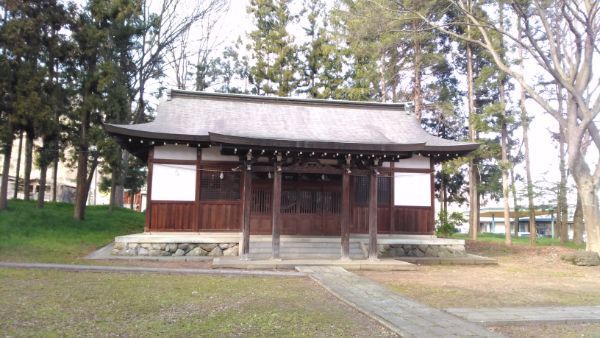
(412,189)
(173,152)
(173,182)
(415,162)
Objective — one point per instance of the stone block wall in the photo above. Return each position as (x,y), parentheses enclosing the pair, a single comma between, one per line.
(422,250)
(175,249)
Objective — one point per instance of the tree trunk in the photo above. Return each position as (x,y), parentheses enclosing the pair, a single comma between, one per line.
(562,209)
(473,200)
(131,202)
(532,228)
(119,189)
(473,170)
(525,124)
(42,192)
(91,172)
(113,186)
(578,225)
(18,165)
(8,141)
(591,210)
(82,167)
(417,89)
(443,193)
(28,166)
(55,176)
(515,203)
(504,141)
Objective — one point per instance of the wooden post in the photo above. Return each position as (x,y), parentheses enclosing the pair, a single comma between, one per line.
(373,215)
(147,225)
(247,193)
(276,210)
(345,216)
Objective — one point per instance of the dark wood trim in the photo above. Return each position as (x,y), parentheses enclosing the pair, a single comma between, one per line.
(392,193)
(276,212)
(198,187)
(345,216)
(149,190)
(432,188)
(247,193)
(166,161)
(373,215)
(172,202)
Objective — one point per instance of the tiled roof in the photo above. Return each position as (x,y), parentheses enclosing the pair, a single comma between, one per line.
(287,122)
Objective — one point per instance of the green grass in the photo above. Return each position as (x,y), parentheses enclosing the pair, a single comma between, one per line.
(499,238)
(52,235)
(45,303)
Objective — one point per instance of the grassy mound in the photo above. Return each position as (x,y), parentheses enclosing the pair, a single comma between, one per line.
(52,235)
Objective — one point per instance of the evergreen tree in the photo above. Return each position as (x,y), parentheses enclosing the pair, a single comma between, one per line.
(274,54)
(322,74)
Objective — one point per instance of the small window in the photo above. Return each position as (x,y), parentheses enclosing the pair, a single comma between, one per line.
(219,186)
(361,189)
(384,185)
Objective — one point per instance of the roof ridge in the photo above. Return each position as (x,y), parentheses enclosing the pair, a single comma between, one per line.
(403,106)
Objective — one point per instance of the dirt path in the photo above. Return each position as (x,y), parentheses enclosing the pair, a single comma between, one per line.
(524,277)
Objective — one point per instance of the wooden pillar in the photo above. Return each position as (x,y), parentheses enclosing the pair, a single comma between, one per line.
(373,215)
(276,211)
(147,225)
(345,215)
(247,195)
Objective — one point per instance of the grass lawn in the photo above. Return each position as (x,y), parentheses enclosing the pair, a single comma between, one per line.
(58,303)
(52,235)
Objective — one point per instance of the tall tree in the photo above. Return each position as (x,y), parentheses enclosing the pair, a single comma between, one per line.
(274,54)
(561,37)
(7,128)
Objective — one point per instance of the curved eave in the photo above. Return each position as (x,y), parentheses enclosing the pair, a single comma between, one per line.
(313,145)
(115,129)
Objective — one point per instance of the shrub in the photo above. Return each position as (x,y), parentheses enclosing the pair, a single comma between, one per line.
(446,225)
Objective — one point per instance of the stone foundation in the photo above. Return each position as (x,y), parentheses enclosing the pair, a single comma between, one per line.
(175,249)
(422,250)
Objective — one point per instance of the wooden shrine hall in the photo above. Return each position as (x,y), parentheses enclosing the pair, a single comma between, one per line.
(254,165)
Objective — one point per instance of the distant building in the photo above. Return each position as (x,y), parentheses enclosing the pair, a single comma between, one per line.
(65,181)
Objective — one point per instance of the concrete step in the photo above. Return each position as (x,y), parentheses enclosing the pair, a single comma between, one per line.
(308,249)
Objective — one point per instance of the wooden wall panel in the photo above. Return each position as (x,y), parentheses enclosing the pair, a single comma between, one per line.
(360,219)
(260,224)
(414,220)
(220,216)
(172,216)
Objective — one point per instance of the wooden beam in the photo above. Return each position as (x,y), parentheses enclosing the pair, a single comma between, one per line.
(373,215)
(247,196)
(276,211)
(345,216)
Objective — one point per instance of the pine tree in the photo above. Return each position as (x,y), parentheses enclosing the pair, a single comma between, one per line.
(273,51)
